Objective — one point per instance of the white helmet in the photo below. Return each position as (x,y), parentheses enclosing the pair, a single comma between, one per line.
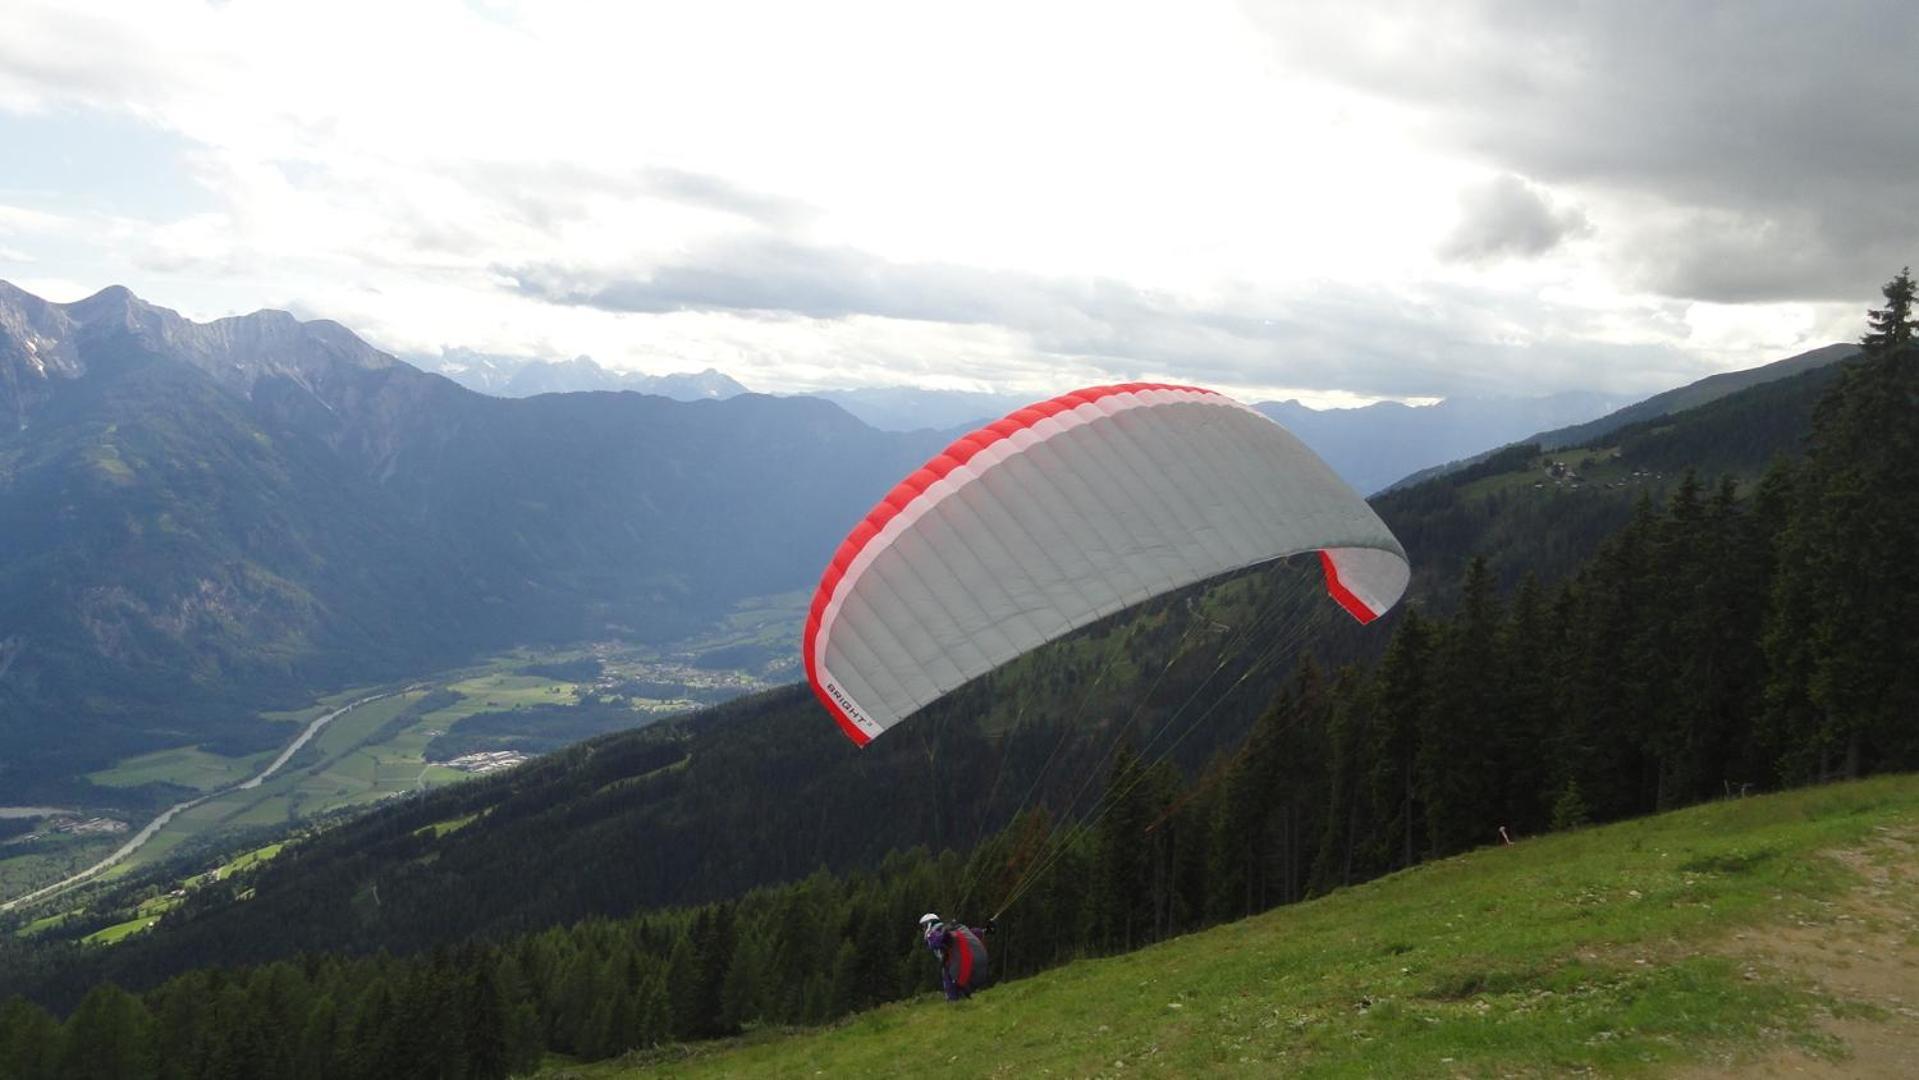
(929,920)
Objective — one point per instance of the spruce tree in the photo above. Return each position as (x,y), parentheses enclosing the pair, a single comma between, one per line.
(1890,328)
(29,1041)
(1457,762)
(1521,736)
(1399,701)
(1850,547)
(108,1038)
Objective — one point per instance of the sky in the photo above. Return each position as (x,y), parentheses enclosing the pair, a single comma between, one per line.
(1336,203)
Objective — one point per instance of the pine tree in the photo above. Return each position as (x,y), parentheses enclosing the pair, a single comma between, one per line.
(683,987)
(1348,805)
(1570,810)
(1456,762)
(29,1041)
(1521,737)
(1296,821)
(1856,524)
(1121,895)
(1890,329)
(1400,702)
(107,1038)
(715,945)
(486,1048)
(317,1054)
(1791,727)
(743,993)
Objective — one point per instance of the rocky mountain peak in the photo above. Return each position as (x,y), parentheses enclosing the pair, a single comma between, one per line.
(41,344)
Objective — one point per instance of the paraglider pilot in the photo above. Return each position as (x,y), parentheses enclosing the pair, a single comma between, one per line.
(962,955)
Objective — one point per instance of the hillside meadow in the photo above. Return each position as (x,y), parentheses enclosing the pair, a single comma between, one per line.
(1628,949)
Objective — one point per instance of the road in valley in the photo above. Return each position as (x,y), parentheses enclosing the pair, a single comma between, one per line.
(140,838)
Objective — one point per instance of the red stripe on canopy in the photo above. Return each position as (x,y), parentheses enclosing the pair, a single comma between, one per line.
(1354,606)
(958,453)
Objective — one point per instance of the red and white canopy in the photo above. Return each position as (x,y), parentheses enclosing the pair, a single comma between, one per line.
(1062,513)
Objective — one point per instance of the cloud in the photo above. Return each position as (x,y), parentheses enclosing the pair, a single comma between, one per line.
(887,194)
(769,275)
(549,194)
(1509,218)
(1415,341)
(716,193)
(1766,130)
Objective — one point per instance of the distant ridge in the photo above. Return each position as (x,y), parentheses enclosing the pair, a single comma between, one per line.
(1372,446)
(524,376)
(910,408)
(1711,388)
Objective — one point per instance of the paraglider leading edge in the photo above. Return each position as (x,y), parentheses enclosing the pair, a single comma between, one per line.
(1364,566)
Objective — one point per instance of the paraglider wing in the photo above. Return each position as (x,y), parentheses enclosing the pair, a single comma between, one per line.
(1065,512)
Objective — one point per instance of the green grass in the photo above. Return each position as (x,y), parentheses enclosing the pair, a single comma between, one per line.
(148,911)
(186,766)
(249,860)
(441,828)
(157,905)
(1607,949)
(120,931)
(46,923)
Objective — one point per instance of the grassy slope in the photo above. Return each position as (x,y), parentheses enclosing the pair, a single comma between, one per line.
(1610,948)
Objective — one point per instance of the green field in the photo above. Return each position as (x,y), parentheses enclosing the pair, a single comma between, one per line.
(148,911)
(46,922)
(441,828)
(120,932)
(186,766)
(1626,949)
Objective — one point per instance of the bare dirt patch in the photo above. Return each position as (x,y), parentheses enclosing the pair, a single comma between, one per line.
(1862,951)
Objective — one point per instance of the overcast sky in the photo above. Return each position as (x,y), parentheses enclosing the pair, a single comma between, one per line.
(1335,202)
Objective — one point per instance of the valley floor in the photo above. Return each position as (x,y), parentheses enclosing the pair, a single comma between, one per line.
(363,746)
(1776,935)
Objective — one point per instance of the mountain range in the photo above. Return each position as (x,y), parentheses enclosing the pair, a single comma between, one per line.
(1374,445)
(201,520)
(1371,447)
(524,376)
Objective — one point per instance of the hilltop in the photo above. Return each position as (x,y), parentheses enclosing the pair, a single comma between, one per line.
(1679,399)
(1707,935)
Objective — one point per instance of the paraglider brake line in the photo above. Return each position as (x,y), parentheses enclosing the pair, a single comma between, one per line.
(1051,851)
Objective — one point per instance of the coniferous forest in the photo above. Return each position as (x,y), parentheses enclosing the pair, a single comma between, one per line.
(1728,637)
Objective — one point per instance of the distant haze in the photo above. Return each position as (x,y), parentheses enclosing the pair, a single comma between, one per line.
(523,376)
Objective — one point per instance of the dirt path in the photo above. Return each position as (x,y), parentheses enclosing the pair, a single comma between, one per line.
(1863,952)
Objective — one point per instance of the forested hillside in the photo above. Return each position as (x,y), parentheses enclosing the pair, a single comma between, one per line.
(1641,413)
(1728,637)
